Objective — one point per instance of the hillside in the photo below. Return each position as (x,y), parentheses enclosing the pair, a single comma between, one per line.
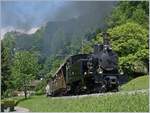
(136,84)
(61,33)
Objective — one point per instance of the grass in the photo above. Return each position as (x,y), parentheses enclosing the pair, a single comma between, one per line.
(136,84)
(111,103)
(138,102)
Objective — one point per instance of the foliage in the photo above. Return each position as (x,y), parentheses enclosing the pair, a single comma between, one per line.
(38,40)
(7,52)
(24,69)
(137,83)
(94,38)
(40,88)
(9,92)
(9,41)
(129,32)
(130,41)
(39,92)
(87,47)
(127,11)
(75,45)
(55,63)
(111,103)
(8,103)
(5,70)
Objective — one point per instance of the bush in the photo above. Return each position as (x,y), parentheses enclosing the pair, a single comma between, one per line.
(39,92)
(8,93)
(8,103)
(130,41)
(40,88)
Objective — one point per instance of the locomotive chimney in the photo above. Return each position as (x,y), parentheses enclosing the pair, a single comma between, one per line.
(106,39)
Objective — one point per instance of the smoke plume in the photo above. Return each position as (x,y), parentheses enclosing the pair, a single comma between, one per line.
(28,15)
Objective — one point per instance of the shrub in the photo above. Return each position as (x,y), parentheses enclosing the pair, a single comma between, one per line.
(130,41)
(8,103)
(39,92)
(40,88)
(7,93)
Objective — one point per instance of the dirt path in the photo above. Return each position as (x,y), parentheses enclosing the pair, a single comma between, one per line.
(103,94)
(21,109)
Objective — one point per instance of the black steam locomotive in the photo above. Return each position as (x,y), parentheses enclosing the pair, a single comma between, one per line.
(87,73)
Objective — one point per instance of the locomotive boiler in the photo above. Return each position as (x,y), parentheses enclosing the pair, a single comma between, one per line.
(87,73)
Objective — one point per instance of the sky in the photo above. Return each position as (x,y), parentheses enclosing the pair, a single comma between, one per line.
(28,15)
(23,11)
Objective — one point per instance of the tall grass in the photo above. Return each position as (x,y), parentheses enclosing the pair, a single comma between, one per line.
(111,103)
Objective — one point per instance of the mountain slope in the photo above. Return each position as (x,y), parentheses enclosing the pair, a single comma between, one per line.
(57,35)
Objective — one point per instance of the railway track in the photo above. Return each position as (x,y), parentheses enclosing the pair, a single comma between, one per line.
(104,94)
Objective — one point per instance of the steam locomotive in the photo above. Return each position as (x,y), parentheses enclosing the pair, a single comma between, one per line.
(87,73)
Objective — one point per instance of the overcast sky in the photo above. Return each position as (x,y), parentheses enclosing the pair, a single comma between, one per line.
(23,12)
(28,16)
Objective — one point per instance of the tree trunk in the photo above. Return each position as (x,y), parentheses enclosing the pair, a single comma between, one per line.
(25,92)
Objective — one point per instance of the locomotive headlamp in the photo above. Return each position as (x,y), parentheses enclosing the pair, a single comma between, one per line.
(121,72)
(99,70)
(85,73)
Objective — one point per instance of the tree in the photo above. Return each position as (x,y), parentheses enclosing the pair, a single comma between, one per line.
(38,40)
(7,52)
(24,69)
(129,31)
(130,41)
(128,11)
(90,40)
(5,66)
(55,63)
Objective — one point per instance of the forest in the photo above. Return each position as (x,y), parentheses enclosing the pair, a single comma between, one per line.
(36,57)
